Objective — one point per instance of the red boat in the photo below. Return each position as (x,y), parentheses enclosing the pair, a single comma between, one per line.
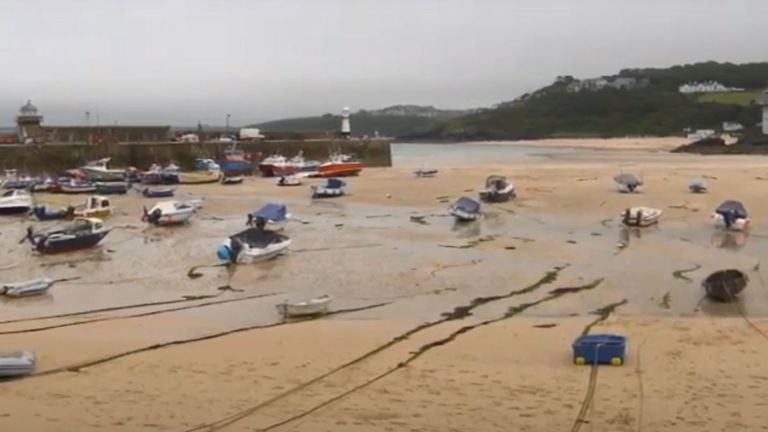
(295,165)
(267,166)
(340,165)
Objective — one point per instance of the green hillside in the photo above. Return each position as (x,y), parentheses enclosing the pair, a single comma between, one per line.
(652,106)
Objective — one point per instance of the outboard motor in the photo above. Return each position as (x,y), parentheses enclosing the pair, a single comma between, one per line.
(729,217)
(155,216)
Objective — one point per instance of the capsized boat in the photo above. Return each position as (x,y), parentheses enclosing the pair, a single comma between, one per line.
(95,206)
(112,188)
(199,177)
(698,186)
(43,213)
(166,192)
(270,214)
(28,288)
(497,189)
(333,187)
(80,234)
(15,201)
(310,307)
(17,364)
(340,165)
(731,215)
(168,213)
(725,285)
(252,245)
(628,183)
(267,165)
(465,209)
(640,216)
(98,170)
(425,172)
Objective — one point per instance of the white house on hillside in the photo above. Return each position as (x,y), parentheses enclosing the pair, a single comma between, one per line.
(706,87)
(594,84)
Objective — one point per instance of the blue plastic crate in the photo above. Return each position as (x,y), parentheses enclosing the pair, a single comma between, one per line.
(600,349)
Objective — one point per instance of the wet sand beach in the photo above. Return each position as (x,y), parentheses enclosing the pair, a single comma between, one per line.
(409,345)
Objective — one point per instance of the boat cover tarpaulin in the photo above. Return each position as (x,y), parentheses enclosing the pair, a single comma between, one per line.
(334,183)
(257,238)
(733,208)
(467,204)
(271,212)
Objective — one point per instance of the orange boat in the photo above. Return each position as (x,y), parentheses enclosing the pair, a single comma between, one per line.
(340,165)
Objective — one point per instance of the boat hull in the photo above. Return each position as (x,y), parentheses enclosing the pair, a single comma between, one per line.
(103,176)
(739,224)
(82,242)
(14,210)
(346,169)
(199,177)
(234,168)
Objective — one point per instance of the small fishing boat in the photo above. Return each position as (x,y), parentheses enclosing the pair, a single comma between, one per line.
(333,187)
(271,214)
(80,234)
(74,186)
(98,171)
(628,183)
(290,180)
(199,177)
(731,215)
(294,165)
(698,186)
(42,213)
(157,175)
(340,165)
(235,161)
(46,185)
(304,308)
(465,209)
(158,192)
(28,288)
(267,165)
(15,201)
(12,180)
(112,188)
(169,213)
(497,189)
(94,207)
(231,180)
(252,245)
(17,364)
(206,164)
(422,172)
(725,285)
(640,216)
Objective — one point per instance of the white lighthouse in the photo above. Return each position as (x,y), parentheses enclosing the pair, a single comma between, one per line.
(346,127)
(763,100)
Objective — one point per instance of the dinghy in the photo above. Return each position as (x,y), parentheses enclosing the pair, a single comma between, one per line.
(465,209)
(17,364)
(199,177)
(698,186)
(168,213)
(15,201)
(271,214)
(252,245)
(158,192)
(111,189)
(333,187)
(422,172)
(29,288)
(42,213)
(497,189)
(231,180)
(95,207)
(640,216)
(80,234)
(311,307)
(628,183)
(731,215)
(290,180)
(157,175)
(725,285)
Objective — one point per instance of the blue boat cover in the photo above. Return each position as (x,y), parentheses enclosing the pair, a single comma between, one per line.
(599,339)
(467,204)
(271,212)
(334,183)
(734,208)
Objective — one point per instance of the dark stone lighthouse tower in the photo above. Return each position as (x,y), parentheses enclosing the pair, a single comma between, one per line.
(28,124)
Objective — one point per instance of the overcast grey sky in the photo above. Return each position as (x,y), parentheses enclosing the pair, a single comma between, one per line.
(179,61)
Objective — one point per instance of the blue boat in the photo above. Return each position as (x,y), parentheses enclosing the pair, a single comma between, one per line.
(206,164)
(271,213)
(465,209)
(599,349)
(158,192)
(80,234)
(111,189)
(333,187)
(235,162)
(42,213)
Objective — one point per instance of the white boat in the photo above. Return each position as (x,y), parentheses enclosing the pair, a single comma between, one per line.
(17,364)
(425,172)
(497,189)
(28,288)
(95,206)
(333,187)
(290,180)
(98,170)
(640,216)
(169,213)
(731,215)
(628,183)
(15,201)
(465,209)
(252,245)
(311,307)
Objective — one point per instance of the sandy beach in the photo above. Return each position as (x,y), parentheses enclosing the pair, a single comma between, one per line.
(395,354)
